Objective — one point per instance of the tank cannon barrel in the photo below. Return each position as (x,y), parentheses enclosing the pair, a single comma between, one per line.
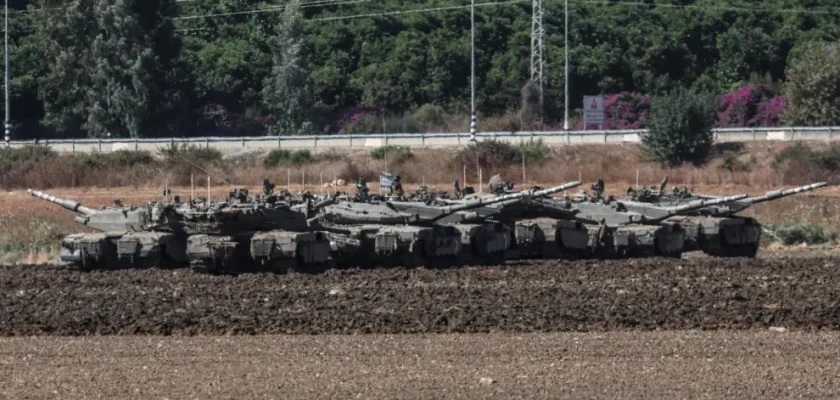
(702,203)
(486,201)
(556,189)
(778,194)
(68,204)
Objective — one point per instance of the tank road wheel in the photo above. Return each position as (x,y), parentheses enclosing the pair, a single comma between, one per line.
(663,249)
(750,250)
(212,267)
(299,265)
(414,258)
(495,258)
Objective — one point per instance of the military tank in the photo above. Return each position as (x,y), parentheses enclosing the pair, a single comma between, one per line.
(616,231)
(236,233)
(714,229)
(125,235)
(242,232)
(585,227)
(418,233)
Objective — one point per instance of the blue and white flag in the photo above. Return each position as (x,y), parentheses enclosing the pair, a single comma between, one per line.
(386,180)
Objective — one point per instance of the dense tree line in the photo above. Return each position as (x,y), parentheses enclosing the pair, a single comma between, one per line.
(164,67)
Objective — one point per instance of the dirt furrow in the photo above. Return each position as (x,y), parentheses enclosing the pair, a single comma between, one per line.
(649,294)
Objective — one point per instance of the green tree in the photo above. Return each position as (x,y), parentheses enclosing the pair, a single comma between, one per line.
(286,92)
(65,39)
(813,86)
(113,67)
(680,128)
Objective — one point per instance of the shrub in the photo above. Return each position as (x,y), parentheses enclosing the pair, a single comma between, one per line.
(799,162)
(351,172)
(493,153)
(282,156)
(798,234)
(535,151)
(177,153)
(752,105)
(403,124)
(623,110)
(730,162)
(680,129)
(489,153)
(626,111)
(813,86)
(13,159)
(128,158)
(396,154)
(429,116)
(34,234)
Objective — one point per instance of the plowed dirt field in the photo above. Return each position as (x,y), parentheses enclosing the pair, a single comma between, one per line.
(647,294)
(612,365)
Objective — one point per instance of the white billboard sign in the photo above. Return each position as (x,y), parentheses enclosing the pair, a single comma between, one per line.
(593,110)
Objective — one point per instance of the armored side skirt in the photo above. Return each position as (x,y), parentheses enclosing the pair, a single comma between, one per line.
(483,243)
(277,251)
(410,246)
(119,250)
(550,239)
(722,237)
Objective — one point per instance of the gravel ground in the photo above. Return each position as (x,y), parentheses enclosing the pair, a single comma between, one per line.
(649,365)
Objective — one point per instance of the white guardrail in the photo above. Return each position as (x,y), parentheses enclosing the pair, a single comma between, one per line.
(233,144)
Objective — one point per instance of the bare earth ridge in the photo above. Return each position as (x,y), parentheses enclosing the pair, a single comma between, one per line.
(650,328)
(643,294)
(615,365)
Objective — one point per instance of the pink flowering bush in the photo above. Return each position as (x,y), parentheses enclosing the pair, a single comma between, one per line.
(751,106)
(351,117)
(623,110)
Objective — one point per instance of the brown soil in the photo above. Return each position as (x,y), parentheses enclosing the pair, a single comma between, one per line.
(647,365)
(648,294)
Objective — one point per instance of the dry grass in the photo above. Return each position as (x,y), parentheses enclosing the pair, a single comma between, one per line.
(29,226)
(616,164)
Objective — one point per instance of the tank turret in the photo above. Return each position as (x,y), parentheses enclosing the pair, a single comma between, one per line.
(126,235)
(714,228)
(233,234)
(412,233)
(417,213)
(118,219)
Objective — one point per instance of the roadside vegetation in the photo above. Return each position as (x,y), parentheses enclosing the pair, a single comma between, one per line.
(757,164)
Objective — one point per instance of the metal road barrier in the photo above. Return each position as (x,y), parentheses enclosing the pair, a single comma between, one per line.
(432,140)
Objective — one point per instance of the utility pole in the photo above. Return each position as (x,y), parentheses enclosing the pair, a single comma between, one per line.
(472,71)
(566,71)
(538,50)
(8,124)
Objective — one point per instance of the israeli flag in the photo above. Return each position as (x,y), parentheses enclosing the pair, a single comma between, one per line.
(386,180)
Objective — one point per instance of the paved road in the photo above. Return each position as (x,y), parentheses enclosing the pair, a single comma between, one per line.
(668,365)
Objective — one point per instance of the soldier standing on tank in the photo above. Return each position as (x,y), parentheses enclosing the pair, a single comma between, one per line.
(598,188)
(361,190)
(268,187)
(396,188)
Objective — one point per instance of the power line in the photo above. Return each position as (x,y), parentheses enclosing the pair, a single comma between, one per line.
(447,8)
(321,3)
(719,8)
(355,16)
(317,3)
(387,13)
